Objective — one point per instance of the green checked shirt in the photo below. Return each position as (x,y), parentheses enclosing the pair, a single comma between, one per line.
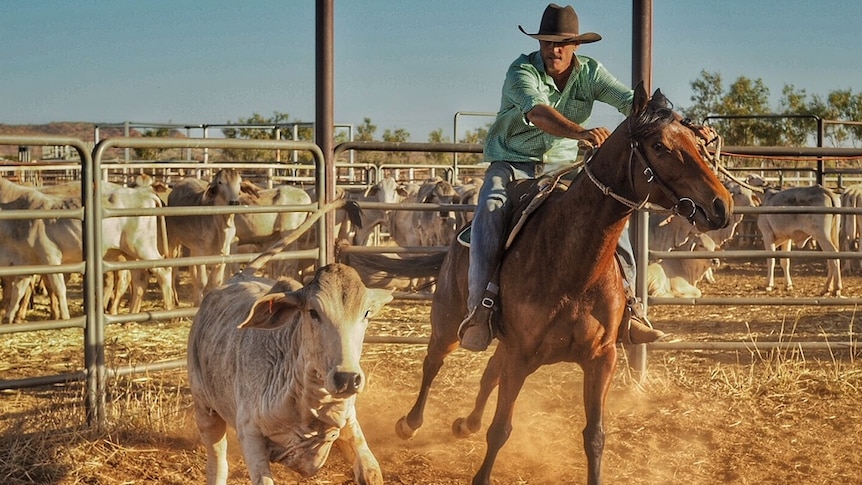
(513,138)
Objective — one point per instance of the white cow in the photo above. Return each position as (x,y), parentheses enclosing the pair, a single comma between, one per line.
(280,363)
(37,242)
(780,230)
(851,228)
(426,228)
(468,194)
(679,277)
(59,241)
(204,235)
(673,232)
(255,232)
(137,238)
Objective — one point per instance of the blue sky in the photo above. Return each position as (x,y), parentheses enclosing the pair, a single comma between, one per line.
(405,64)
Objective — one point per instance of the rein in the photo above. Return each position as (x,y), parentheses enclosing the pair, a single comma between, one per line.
(652,176)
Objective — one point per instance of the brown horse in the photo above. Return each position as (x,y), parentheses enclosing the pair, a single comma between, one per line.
(561,292)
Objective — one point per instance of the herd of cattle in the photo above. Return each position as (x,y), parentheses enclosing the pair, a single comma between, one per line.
(59,241)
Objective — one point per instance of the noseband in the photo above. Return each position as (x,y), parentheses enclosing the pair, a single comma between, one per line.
(683,206)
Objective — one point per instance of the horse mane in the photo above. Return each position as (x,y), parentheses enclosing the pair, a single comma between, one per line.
(658,114)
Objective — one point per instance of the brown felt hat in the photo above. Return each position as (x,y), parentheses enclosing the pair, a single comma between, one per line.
(560,24)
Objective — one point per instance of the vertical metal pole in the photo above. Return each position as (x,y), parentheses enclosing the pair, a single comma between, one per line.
(641,71)
(94,335)
(820,133)
(324,118)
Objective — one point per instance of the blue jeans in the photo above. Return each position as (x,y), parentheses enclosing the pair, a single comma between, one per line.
(489,220)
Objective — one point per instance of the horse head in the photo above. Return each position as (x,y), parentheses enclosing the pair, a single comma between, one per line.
(667,170)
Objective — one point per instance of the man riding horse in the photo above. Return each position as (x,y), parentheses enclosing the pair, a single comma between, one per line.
(547,99)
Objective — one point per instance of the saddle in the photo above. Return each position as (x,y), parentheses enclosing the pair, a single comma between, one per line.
(526,195)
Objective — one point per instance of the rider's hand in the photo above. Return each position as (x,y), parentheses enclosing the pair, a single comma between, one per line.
(706,133)
(594,136)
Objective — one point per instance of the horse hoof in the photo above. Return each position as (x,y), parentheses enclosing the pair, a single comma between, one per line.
(460,428)
(403,430)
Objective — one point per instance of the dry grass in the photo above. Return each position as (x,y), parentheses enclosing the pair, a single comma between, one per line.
(783,416)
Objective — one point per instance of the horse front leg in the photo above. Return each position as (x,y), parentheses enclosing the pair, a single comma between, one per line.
(512,379)
(597,381)
(464,427)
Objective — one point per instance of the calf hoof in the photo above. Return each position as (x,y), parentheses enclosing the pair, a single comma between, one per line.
(403,430)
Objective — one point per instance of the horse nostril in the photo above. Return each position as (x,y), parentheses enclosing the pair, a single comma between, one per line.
(722,211)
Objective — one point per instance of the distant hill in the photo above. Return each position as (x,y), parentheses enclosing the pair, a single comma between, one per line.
(84,131)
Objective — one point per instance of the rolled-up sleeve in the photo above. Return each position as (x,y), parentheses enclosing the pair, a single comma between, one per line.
(523,89)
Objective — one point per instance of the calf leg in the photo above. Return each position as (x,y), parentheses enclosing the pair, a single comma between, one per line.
(366,470)
(213,430)
(785,266)
(256,454)
(140,281)
(18,292)
(164,278)
(769,245)
(57,288)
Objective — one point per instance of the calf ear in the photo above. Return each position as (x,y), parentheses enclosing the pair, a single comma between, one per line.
(272,311)
(377,299)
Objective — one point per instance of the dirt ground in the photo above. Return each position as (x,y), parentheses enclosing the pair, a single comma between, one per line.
(699,417)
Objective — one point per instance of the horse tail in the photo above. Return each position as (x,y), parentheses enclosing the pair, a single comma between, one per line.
(412,266)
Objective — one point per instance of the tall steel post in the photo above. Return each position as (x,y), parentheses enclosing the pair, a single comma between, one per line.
(641,71)
(325,118)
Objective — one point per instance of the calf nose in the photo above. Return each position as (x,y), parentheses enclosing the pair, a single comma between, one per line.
(233,202)
(347,382)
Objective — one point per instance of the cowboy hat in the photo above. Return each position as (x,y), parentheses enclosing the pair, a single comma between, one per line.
(560,24)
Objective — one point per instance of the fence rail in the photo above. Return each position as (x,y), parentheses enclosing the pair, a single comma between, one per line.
(93,171)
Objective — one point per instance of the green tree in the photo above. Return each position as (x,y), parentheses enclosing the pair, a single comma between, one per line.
(734,113)
(476,136)
(153,153)
(399,135)
(260,128)
(707,93)
(365,132)
(797,131)
(438,158)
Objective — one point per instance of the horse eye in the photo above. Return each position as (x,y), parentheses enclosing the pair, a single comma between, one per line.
(313,313)
(659,146)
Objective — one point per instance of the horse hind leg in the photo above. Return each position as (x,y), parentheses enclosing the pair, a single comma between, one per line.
(438,348)
(464,427)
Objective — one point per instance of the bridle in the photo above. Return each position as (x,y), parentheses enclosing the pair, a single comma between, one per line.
(683,206)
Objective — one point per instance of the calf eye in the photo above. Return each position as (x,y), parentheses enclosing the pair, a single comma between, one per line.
(313,313)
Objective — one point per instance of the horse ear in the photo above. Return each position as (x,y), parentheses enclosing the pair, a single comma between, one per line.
(640,100)
(659,99)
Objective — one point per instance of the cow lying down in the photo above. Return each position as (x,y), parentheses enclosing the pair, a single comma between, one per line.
(280,363)
(679,277)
